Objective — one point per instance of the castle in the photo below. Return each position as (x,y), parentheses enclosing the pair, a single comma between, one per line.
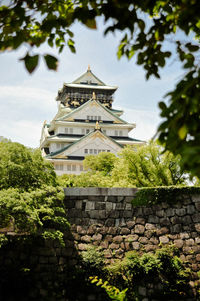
(85,124)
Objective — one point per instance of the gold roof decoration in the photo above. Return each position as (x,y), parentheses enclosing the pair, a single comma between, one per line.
(93,96)
(97,127)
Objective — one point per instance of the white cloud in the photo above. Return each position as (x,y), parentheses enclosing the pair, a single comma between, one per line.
(146,123)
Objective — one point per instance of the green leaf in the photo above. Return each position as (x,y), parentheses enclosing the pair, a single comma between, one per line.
(182,132)
(31,62)
(51,61)
(91,23)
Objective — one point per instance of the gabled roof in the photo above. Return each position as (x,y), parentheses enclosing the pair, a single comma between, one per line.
(88,78)
(86,104)
(81,139)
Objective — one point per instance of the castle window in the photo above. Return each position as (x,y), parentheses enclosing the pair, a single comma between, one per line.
(73,167)
(116,133)
(86,151)
(66,130)
(81,167)
(91,151)
(87,131)
(59,166)
(99,117)
(71,130)
(69,168)
(95,151)
(120,133)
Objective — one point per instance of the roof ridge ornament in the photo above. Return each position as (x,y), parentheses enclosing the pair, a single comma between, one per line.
(88,69)
(93,96)
(97,127)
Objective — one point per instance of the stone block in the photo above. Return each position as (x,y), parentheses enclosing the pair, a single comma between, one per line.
(196,218)
(180,212)
(109,206)
(165,221)
(82,247)
(114,214)
(189,242)
(131,238)
(187,250)
(118,239)
(196,198)
(112,230)
(150,248)
(190,209)
(197,240)
(150,226)
(139,229)
(127,214)
(143,240)
(197,227)
(90,205)
(184,235)
(78,204)
(109,238)
(186,220)
(97,237)
(125,231)
(128,207)
(175,220)
(162,231)
(110,222)
(140,220)
(81,230)
(130,224)
(114,246)
(197,206)
(164,239)
(154,240)
(160,213)
(138,211)
(120,206)
(169,212)
(135,245)
(100,205)
(104,244)
(147,211)
(86,238)
(176,228)
(178,243)
(118,253)
(102,230)
(198,257)
(94,214)
(149,233)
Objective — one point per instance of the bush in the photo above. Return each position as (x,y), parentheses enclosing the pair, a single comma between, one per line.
(171,194)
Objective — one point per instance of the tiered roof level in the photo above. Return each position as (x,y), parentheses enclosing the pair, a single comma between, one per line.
(85,124)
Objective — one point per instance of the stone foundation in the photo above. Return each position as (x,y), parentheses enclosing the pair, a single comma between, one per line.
(105,217)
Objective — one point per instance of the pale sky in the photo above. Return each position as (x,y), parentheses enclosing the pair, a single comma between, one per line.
(27,100)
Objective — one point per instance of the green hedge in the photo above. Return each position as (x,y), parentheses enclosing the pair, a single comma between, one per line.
(168,194)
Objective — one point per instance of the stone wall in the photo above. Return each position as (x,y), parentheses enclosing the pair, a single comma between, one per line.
(105,217)
(33,270)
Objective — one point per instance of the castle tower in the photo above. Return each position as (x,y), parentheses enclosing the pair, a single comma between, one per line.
(85,124)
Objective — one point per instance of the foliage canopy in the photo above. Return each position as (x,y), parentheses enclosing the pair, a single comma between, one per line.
(30,200)
(23,168)
(147,166)
(35,22)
